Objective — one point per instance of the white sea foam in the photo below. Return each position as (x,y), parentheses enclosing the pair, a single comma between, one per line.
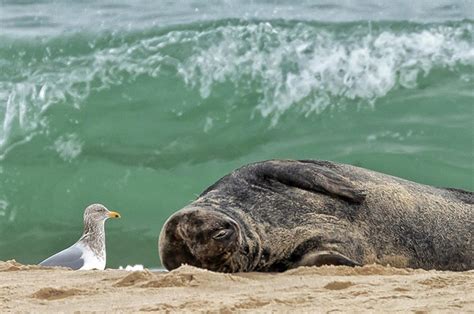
(208,124)
(389,134)
(310,67)
(7,212)
(3,207)
(136,267)
(68,146)
(298,66)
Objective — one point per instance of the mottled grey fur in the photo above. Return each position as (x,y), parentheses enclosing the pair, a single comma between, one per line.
(280,214)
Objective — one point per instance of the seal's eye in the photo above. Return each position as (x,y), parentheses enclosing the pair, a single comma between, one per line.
(222,234)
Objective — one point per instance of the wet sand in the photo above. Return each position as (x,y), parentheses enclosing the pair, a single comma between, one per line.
(372,288)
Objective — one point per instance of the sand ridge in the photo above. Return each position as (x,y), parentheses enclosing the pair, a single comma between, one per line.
(29,288)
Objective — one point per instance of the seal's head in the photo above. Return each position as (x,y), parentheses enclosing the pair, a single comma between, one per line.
(200,237)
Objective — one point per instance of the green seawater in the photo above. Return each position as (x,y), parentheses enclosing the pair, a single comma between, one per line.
(143,118)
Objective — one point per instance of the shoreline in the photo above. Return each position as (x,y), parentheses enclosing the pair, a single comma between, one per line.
(32,288)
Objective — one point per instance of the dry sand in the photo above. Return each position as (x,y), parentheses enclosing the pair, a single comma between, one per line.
(371,288)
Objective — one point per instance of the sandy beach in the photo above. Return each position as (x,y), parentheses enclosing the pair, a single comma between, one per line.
(327,289)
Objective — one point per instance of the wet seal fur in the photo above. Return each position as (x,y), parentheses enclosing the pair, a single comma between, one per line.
(280,214)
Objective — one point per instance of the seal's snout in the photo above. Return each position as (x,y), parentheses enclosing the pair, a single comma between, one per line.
(198,237)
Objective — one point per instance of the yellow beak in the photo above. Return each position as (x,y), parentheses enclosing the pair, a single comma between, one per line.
(113,214)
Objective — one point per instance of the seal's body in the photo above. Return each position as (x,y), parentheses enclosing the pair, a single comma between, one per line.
(280,214)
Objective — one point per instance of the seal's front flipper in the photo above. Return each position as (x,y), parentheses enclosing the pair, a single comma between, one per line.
(310,176)
(326,258)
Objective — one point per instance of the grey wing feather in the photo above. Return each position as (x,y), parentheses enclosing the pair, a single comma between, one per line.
(70,257)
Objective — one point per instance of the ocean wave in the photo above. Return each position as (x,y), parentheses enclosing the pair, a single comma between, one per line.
(313,67)
(289,65)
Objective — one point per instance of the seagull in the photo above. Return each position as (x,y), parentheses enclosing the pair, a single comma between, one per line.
(89,251)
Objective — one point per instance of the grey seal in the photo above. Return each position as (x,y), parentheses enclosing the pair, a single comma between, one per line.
(280,214)
(89,251)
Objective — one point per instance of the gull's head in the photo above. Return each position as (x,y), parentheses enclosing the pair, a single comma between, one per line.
(99,213)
